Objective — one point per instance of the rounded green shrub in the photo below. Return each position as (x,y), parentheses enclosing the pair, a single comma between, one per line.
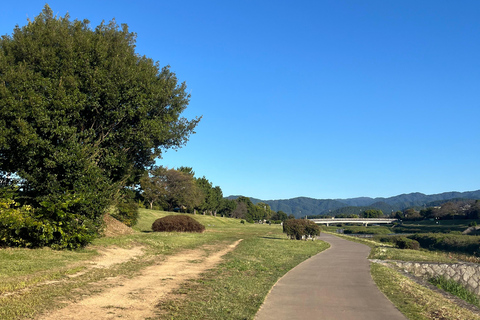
(406,243)
(177,223)
(299,228)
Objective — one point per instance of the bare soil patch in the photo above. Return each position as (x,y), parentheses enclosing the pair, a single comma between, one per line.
(136,298)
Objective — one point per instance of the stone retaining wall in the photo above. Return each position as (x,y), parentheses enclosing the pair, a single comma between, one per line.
(468,274)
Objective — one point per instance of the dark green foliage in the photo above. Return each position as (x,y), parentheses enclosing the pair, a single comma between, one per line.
(23,226)
(178,223)
(300,228)
(406,243)
(455,288)
(279,216)
(372,213)
(126,208)
(449,242)
(400,241)
(81,116)
(171,188)
(211,196)
(250,212)
(366,230)
(387,238)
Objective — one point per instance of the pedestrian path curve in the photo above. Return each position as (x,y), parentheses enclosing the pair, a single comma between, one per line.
(333,285)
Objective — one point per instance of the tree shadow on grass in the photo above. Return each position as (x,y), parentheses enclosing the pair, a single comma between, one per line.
(274,238)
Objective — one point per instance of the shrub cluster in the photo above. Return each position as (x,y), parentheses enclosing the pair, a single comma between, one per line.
(406,243)
(22,226)
(126,209)
(178,223)
(366,230)
(400,241)
(449,242)
(299,228)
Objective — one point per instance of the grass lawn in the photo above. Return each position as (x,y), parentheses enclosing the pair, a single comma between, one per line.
(415,301)
(37,280)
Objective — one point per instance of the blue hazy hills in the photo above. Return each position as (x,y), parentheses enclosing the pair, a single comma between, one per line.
(302,206)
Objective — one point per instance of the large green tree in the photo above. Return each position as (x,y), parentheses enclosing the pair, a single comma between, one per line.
(372,213)
(171,187)
(82,115)
(212,201)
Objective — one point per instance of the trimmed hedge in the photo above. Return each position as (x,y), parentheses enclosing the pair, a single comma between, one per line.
(177,223)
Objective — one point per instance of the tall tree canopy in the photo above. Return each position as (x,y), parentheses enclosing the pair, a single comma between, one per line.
(170,187)
(82,114)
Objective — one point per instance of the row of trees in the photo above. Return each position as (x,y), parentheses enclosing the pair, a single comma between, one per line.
(171,189)
(179,189)
(369,213)
(461,209)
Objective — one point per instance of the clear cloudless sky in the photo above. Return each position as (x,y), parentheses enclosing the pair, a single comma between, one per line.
(323,99)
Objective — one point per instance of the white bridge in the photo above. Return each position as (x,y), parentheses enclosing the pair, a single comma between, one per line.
(363,221)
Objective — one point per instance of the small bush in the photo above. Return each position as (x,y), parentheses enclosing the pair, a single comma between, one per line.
(387,238)
(405,243)
(298,228)
(178,223)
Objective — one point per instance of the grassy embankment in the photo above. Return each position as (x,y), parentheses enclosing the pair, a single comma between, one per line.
(35,281)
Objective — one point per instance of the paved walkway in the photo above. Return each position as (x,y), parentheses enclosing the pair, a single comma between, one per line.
(333,285)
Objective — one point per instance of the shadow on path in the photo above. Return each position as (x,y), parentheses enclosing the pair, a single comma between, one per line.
(333,285)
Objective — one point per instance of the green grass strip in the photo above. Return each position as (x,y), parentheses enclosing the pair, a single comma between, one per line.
(237,288)
(455,288)
(415,301)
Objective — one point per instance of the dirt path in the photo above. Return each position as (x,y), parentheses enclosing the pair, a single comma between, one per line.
(136,298)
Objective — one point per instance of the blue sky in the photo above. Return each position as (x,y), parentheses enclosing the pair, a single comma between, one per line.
(323,99)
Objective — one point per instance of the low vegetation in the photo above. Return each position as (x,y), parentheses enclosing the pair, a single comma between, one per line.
(455,288)
(177,223)
(299,229)
(34,281)
(415,301)
(449,243)
(238,287)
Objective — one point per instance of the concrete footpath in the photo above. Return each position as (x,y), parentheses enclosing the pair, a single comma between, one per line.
(333,285)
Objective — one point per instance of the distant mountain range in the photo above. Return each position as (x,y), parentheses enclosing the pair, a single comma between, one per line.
(303,206)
